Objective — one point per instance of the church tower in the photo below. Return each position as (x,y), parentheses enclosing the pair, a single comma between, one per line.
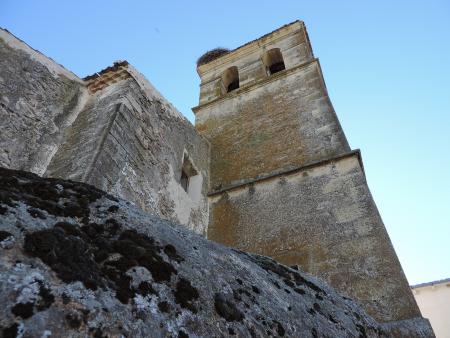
(284,181)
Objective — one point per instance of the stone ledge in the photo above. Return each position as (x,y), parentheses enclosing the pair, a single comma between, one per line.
(252,45)
(272,175)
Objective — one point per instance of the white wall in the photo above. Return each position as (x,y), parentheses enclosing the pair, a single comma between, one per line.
(434,303)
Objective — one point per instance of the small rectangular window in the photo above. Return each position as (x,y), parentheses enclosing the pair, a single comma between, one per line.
(187,172)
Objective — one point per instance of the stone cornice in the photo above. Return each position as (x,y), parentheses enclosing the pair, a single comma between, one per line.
(251,46)
(291,171)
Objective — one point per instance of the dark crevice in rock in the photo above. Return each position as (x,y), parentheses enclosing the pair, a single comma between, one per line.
(36,213)
(164,307)
(290,277)
(3,210)
(11,331)
(4,235)
(255,289)
(74,321)
(361,330)
(98,333)
(145,288)
(279,328)
(182,334)
(299,291)
(23,310)
(46,298)
(226,308)
(185,294)
(113,208)
(171,252)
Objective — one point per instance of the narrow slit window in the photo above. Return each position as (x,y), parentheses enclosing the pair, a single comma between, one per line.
(273,61)
(184,180)
(230,80)
(188,172)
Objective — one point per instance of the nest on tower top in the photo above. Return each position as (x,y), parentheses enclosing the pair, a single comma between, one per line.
(212,55)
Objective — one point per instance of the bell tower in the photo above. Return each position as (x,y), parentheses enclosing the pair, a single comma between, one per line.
(264,108)
(283,179)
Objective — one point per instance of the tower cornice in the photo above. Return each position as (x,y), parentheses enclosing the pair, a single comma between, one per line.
(251,46)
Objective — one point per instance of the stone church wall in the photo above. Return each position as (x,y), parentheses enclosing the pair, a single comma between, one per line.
(132,144)
(112,130)
(38,100)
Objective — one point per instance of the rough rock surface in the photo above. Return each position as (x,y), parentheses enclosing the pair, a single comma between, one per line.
(77,262)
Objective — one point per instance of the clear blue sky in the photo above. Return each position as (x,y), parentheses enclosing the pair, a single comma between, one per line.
(386,65)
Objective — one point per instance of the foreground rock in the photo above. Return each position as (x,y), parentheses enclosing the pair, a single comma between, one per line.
(76,262)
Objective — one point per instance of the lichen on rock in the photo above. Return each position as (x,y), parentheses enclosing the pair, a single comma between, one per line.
(81,263)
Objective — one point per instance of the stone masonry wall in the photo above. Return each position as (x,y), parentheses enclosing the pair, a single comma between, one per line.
(114,131)
(292,41)
(129,141)
(324,219)
(38,100)
(284,122)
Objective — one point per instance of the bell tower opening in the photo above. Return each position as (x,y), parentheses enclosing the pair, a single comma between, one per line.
(230,79)
(273,61)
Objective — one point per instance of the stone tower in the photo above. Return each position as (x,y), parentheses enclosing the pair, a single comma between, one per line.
(284,181)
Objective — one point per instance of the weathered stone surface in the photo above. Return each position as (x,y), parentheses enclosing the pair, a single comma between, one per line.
(284,182)
(72,254)
(80,262)
(271,123)
(38,100)
(131,143)
(323,219)
(122,137)
(293,41)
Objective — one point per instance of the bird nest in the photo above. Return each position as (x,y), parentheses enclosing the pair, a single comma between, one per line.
(211,55)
